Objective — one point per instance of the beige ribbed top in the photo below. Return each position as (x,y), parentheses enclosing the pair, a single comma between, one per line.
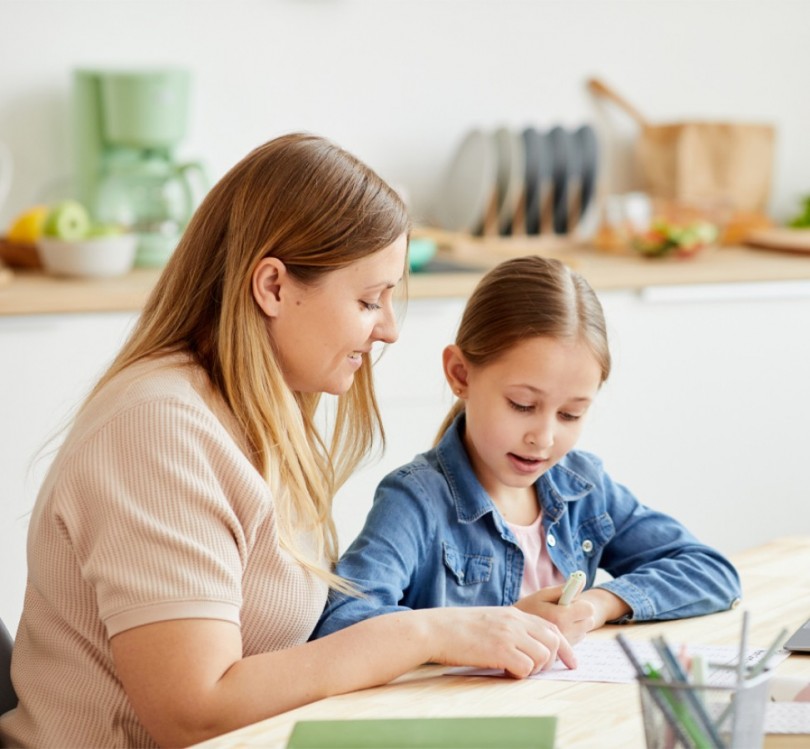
(150,511)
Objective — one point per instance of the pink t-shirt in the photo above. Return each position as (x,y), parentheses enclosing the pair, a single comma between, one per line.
(538,570)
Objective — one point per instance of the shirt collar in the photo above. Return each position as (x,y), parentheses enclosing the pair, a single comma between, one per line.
(563,483)
(470,499)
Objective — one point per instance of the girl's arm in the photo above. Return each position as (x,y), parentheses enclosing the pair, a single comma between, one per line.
(187,679)
(396,547)
(660,569)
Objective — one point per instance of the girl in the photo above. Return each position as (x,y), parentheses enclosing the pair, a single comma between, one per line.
(179,551)
(503,508)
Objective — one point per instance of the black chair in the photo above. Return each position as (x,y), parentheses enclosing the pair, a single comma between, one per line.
(8,697)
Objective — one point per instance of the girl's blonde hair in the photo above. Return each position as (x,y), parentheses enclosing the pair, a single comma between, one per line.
(523,298)
(317,208)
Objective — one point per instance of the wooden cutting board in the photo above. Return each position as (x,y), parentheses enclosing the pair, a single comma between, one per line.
(780,238)
(6,275)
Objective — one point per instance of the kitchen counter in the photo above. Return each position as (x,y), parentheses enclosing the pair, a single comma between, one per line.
(33,292)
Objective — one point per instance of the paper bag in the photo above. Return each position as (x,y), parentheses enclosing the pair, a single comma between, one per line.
(715,164)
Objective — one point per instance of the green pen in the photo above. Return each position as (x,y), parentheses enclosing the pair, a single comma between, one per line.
(679,709)
(643,673)
(688,695)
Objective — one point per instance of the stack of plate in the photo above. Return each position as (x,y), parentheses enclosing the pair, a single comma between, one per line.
(522,183)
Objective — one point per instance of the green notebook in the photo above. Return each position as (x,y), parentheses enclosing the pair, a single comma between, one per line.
(426,733)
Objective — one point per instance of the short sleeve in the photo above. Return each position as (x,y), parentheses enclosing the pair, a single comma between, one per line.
(159,503)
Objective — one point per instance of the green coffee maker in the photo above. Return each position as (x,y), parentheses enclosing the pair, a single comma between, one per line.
(128,124)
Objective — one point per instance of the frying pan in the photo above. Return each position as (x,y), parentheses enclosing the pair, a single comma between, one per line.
(532,142)
(562,160)
(587,147)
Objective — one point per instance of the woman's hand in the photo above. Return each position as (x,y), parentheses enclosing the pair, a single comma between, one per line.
(506,638)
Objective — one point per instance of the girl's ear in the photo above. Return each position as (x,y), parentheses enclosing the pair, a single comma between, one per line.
(269,276)
(456,370)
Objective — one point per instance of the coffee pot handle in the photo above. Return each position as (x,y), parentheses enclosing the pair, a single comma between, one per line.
(195,183)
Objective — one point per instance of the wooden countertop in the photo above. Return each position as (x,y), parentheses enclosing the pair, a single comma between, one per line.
(33,292)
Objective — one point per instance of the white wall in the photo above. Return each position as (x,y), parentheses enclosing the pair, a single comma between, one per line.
(399,81)
(48,365)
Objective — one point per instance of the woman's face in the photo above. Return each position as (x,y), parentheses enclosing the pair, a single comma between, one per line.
(323,332)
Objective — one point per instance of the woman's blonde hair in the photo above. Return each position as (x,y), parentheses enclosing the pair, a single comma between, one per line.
(523,298)
(317,208)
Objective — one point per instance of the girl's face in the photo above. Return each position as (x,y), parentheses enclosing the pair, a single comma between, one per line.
(525,410)
(323,332)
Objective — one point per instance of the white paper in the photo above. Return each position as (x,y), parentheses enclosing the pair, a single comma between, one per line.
(787,717)
(605,661)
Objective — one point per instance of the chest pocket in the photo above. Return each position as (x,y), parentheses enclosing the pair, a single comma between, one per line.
(593,535)
(468,569)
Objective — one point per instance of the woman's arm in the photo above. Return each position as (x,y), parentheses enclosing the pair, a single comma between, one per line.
(187,679)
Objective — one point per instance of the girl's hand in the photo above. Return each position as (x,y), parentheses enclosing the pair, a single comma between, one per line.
(574,621)
(589,611)
(496,637)
(607,606)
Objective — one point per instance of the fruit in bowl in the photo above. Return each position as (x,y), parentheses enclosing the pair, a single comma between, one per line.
(72,244)
(18,248)
(68,219)
(665,237)
(657,228)
(27,226)
(91,257)
(45,235)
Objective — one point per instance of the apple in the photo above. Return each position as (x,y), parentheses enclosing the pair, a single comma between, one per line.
(67,220)
(104,230)
(27,227)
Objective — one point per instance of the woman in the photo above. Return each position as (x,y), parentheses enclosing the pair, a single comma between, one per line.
(181,547)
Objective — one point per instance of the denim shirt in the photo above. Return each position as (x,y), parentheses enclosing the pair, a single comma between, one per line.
(433,537)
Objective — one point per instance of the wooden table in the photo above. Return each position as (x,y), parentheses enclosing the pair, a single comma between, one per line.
(776,592)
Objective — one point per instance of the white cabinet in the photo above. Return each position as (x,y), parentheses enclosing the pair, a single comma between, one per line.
(705,415)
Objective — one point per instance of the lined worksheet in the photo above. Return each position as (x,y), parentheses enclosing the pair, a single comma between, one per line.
(605,661)
(788,717)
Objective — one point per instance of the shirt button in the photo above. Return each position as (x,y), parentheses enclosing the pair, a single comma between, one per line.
(587,546)
(550,540)
(735,603)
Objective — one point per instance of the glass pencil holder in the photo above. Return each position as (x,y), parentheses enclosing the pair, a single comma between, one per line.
(704,717)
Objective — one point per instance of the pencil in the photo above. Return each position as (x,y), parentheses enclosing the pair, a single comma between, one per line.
(645,680)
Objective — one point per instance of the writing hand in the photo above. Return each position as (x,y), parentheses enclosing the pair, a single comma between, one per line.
(502,637)
(574,620)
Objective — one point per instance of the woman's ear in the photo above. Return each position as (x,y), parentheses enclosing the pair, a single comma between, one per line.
(268,278)
(456,370)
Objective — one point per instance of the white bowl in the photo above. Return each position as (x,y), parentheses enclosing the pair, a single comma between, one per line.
(96,257)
